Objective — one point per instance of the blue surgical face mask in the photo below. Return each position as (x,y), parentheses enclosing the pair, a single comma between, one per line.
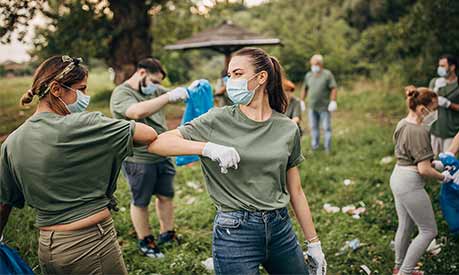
(149,89)
(315,68)
(81,103)
(442,71)
(238,91)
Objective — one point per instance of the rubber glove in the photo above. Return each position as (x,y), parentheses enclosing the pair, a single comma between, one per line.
(316,258)
(178,94)
(226,156)
(194,84)
(439,83)
(443,102)
(332,106)
(438,165)
(448,178)
(303,106)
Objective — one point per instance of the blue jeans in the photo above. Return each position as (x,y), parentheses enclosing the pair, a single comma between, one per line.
(315,118)
(243,240)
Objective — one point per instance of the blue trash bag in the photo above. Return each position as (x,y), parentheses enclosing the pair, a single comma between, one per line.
(11,263)
(199,102)
(449,194)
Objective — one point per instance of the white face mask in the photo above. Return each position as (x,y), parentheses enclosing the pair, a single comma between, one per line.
(430,118)
(315,68)
(238,91)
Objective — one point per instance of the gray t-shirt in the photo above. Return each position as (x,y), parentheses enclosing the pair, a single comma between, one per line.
(267,150)
(412,143)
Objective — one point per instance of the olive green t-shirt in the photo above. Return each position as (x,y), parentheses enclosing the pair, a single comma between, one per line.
(319,88)
(267,150)
(122,98)
(412,143)
(293,108)
(447,125)
(65,167)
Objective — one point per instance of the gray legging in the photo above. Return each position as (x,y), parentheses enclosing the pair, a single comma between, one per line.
(413,207)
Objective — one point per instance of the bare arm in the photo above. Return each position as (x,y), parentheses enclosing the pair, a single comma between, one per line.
(296,119)
(171,143)
(147,108)
(304,93)
(300,204)
(333,94)
(5,210)
(426,170)
(144,134)
(454,107)
(454,147)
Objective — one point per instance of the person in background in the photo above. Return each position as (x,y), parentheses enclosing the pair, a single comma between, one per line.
(320,89)
(142,98)
(294,104)
(64,162)
(414,162)
(252,226)
(447,88)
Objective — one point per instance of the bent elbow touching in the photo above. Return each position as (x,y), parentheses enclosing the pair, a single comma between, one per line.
(144,134)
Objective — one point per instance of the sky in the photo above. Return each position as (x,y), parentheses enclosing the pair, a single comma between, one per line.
(17,51)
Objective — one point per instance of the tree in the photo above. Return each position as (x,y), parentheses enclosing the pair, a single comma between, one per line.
(116,30)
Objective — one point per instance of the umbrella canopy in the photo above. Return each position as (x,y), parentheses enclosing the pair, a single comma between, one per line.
(226,38)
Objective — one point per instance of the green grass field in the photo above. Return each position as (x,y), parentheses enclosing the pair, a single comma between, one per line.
(363,129)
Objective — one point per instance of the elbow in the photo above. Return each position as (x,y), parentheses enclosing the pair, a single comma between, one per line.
(134,114)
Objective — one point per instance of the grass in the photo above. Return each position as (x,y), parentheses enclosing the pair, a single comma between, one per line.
(363,129)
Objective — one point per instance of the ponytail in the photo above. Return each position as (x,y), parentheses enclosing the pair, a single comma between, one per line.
(418,96)
(263,62)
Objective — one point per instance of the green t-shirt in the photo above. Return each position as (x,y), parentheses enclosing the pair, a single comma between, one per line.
(447,125)
(412,143)
(122,98)
(65,167)
(267,150)
(319,88)
(293,108)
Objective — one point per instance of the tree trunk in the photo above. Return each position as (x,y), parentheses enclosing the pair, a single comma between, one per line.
(132,38)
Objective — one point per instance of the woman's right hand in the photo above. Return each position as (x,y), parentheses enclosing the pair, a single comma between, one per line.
(226,156)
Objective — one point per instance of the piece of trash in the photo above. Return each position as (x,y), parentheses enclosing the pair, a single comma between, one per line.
(349,209)
(434,248)
(356,216)
(190,201)
(352,244)
(193,184)
(208,264)
(123,209)
(330,208)
(347,182)
(379,202)
(365,269)
(387,160)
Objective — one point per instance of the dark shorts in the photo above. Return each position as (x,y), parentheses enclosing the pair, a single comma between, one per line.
(148,179)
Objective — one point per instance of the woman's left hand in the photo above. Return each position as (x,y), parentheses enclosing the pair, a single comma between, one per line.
(315,252)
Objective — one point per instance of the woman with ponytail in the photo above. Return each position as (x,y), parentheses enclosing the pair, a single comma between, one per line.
(414,161)
(252,226)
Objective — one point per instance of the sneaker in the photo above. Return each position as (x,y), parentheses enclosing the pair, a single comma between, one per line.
(169,237)
(149,248)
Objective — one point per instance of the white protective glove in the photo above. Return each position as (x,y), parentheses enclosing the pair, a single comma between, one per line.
(178,94)
(226,156)
(439,83)
(443,102)
(438,165)
(332,106)
(448,178)
(316,259)
(194,84)
(303,106)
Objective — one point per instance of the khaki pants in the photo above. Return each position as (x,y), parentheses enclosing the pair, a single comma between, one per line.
(92,250)
(440,145)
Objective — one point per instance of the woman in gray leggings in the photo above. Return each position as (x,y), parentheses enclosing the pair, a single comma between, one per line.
(414,161)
